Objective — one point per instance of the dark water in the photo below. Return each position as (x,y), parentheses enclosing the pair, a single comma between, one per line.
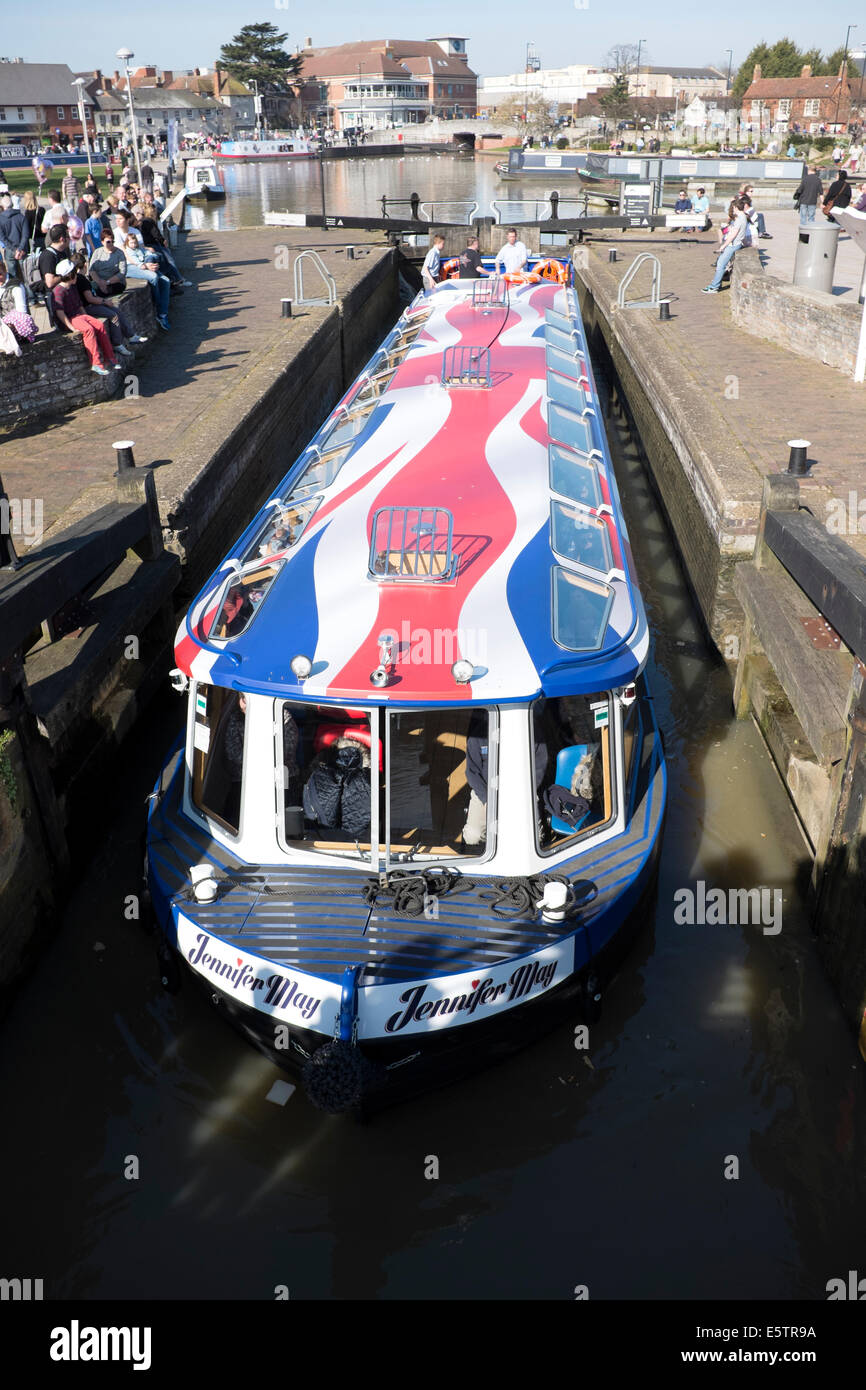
(558,1168)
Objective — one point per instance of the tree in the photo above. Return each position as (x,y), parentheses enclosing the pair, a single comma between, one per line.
(536,110)
(256,55)
(759,54)
(832,63)
(623,56)
(616,100)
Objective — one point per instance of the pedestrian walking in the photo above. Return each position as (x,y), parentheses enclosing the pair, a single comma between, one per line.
(808,194)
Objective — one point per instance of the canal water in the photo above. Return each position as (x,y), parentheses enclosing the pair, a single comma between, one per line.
(144,1158)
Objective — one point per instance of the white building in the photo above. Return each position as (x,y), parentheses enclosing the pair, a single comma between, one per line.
(557,86)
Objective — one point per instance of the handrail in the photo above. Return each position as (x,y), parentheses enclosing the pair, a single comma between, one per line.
(655,289)
(327,277)
(428,208)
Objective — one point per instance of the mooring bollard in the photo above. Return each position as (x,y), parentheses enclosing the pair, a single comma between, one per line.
(798,464)
(664,311)
(286,308)
(125,461)
(350,253)
(414,202)
(611,255)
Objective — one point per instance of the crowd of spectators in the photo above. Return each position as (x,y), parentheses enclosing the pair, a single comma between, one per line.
(74,251)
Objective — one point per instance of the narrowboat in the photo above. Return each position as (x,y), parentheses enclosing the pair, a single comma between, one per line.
(421,789)
(295,146)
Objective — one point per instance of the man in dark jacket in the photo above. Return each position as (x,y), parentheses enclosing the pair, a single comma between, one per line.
(810,192)
(14,234)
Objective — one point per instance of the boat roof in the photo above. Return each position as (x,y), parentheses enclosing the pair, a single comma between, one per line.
(460,498)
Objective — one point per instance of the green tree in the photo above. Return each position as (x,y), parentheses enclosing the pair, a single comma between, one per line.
(759,54)
(616,100)
(256,54)
(832,63)
(783,60)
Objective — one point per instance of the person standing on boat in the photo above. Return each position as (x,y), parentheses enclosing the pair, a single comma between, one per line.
(432,266)
(513,256)
(470,261)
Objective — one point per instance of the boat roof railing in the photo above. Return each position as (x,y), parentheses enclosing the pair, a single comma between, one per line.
(412,544)
(466,366)
(489,293)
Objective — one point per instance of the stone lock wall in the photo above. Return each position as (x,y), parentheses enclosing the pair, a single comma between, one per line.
(53,374)
(808,322)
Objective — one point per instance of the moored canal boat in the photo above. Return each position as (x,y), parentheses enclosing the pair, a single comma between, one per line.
(421,789)
(202,180)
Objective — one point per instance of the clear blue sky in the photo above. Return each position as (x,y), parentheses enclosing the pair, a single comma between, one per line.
(184,35)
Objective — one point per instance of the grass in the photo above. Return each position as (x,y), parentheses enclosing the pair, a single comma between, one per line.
(19,180)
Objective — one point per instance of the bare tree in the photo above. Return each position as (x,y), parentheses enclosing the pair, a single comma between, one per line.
(622,57)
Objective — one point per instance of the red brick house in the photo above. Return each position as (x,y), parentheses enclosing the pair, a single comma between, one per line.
(807,101)
(388,82)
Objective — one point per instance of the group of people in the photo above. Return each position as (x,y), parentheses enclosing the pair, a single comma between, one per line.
(810,196)
(511,257)
(79,252)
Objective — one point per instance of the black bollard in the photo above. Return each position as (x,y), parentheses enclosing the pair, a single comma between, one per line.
(125,461)
(664,311)
(414,202)
(554,205)
(611,255)
(350,253)
(286,308)
(798,464)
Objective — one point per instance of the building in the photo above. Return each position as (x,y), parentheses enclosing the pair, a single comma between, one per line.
(232,94)
(563,87)
(39,105)
(778,103)
(383,83)
(680,85)
(155,104)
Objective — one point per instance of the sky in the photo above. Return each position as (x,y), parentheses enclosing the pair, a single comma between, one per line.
(185,35)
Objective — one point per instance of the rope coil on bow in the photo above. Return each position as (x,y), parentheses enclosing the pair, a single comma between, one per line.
(520,896)
(410,890)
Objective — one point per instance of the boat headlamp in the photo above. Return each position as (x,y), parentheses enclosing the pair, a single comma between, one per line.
(463,671)
(302,666)
(627,695)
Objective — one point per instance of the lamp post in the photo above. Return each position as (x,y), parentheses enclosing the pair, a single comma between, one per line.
(845,70)
(640,44)
(124,54)
(78,83)
(730,53)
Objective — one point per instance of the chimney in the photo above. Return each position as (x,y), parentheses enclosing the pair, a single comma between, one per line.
(107,84)
(167,77)
(216,82)
(308,43)
(196,72)
(807,71)
(756,75)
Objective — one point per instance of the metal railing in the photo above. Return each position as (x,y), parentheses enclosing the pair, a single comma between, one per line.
(466,210)
(326,276)
(655,287)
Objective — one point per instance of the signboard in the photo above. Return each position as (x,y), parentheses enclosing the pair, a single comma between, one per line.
(12,152)
(637,202)
(553,161)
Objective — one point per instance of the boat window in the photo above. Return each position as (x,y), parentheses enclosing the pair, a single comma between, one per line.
(565,391)
(567,427)
(430,769)
(565,325)
(376,385)
(581,538)
(630,737)
(218,741)
(574,477)
(581,608)
(348,427)
(319,473)
(568,363)
(557,339)
(439,771)
(241,599)
(326,756)
(282,529)
(571,758)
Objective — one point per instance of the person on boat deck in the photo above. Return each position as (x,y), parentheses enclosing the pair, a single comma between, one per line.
(470,261)
(513,255)
(475,829)
(432,263)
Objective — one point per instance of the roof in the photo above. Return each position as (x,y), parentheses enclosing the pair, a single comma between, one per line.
(359,504)
(407,55)
(792,87)
(168,98)
(229,86)
(26,84)
(705,74)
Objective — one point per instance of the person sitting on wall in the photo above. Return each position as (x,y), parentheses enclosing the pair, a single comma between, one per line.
(107,267)
(119,327)
(70,314)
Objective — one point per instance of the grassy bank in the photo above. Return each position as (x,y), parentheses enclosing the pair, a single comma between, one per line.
(19,180)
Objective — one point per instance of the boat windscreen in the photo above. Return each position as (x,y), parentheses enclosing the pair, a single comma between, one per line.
(281,530)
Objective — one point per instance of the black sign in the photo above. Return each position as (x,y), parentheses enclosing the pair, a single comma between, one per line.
(637,202)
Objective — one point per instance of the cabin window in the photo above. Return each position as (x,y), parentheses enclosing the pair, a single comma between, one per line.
(581,608)
(385,785)
(218,742)
(571,758)
(574,477)
(568,363)
(578,537)
(631,728)
(320,472)
(241,600)
(282,529)
(349,426)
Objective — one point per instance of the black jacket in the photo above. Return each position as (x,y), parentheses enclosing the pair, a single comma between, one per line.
(810,190)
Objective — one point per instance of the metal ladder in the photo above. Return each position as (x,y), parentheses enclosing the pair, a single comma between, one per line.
(327,278)
(655,289)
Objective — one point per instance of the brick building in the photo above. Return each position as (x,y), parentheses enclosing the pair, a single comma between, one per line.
(388,82)
(807,101)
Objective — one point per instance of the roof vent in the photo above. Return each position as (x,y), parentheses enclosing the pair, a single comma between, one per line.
(466,366)
(412,544)
(489,293)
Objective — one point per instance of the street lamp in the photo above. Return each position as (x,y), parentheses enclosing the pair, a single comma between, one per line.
(845,66)
(78,83)
(124,54)
(640,44)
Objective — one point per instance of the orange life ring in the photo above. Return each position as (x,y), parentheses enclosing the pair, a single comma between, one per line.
(552,270)
(521,277)
(450,269)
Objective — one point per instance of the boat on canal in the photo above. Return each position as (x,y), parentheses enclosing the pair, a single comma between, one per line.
(202,180)
(295,146)
(419,799)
